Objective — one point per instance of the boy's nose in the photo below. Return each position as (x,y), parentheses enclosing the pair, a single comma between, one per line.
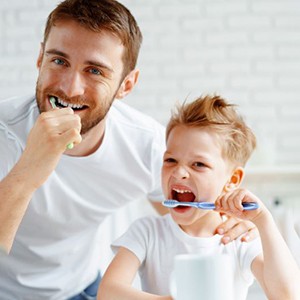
(72,85)
(181,173)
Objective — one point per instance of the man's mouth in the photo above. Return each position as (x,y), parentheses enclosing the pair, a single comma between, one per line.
(183,195)
(62,104)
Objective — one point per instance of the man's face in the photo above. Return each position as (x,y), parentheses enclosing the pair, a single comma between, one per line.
(81,69)
(193,170)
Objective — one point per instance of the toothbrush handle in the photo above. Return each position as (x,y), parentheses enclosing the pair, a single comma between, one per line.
(208,205)
(250,205)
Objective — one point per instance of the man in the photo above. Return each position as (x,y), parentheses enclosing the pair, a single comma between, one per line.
(57,197)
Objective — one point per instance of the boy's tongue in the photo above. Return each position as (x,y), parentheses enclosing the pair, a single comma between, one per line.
(185,197)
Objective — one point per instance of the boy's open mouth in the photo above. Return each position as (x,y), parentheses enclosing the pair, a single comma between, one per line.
(62,104)
(183,195)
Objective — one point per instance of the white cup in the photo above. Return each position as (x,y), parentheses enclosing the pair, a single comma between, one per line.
(197,277)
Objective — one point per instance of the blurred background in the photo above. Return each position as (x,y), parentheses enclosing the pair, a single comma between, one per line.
(248,51)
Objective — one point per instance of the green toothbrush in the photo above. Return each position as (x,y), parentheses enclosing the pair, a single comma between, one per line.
(52,102)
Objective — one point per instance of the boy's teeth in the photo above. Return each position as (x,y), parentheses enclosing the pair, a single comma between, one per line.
(181,191)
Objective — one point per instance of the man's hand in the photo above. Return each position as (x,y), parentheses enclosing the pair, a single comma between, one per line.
(232,228)
(46,142)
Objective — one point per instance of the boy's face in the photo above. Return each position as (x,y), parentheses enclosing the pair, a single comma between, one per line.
(193,170)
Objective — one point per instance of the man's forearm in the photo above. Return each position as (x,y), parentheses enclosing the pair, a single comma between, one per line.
(14,198)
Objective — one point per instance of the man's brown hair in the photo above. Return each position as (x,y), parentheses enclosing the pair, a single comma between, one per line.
(99,15)
(235,137)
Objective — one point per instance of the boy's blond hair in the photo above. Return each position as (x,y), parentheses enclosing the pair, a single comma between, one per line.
(235,137)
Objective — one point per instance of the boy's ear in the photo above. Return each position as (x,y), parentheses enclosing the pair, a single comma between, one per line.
(40,57)
(128,84)
(235,179)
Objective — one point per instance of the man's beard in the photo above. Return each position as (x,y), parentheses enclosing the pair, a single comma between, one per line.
(87,121)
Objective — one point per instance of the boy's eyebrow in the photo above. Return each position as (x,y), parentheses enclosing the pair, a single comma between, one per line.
(88,62)
(202,157)
(195,156)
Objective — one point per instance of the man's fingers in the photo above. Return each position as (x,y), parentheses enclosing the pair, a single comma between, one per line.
(226,225)
(250,235)
(232,229)
(72,136)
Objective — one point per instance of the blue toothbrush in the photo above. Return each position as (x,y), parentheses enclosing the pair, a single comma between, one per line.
(205,205)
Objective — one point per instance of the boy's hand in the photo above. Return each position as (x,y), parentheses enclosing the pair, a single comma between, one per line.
(231,204)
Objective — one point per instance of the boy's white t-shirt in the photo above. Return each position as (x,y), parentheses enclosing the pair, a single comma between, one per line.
(55,254)
(156,240)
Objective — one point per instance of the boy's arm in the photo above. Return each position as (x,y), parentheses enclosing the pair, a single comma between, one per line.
(117,280)
(276,269)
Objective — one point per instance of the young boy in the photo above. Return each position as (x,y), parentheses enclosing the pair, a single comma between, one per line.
(208,145)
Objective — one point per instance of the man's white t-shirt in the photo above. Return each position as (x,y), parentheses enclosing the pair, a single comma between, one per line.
(157,240)
(55,254)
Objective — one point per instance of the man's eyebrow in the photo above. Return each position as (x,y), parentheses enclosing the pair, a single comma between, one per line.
(100,65)
(88,62)
(57,52)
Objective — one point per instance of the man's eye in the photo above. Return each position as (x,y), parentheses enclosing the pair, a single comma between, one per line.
(94,71)
(59,61)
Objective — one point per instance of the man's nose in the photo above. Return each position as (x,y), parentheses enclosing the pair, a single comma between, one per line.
(181,172)
(72,84)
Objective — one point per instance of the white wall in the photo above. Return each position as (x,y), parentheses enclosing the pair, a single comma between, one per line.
(247,50)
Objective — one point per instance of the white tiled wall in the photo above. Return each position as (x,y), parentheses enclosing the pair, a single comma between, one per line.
(247,50)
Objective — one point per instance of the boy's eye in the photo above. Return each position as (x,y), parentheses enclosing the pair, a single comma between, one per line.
(169,160)
(199,164)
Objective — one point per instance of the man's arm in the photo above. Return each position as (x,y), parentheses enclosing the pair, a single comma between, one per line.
(15,196)
(46,143)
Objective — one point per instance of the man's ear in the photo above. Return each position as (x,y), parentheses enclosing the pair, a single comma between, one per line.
(235,179)
(40,57)
(128,84)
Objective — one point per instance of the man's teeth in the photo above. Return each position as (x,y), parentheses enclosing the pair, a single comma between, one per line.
(182,191)
(65,104)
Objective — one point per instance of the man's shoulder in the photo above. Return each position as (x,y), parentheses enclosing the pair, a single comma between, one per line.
(15,108)
(129,116)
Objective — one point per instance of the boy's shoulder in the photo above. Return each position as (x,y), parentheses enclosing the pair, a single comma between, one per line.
(151,221)
(151,226)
